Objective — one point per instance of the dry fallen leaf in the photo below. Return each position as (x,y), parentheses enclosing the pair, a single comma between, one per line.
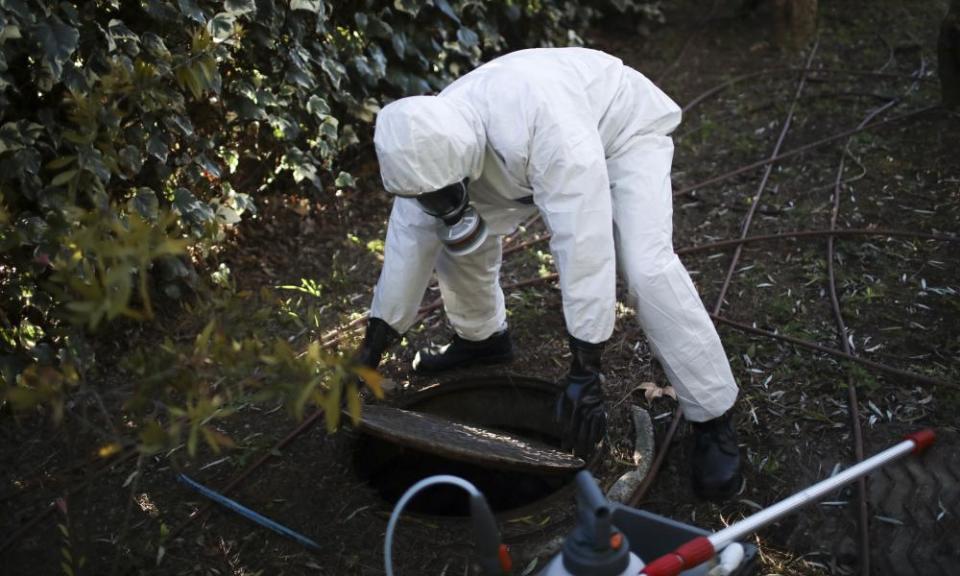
(652,391)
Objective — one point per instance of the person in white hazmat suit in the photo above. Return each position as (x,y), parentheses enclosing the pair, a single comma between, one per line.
(578,136)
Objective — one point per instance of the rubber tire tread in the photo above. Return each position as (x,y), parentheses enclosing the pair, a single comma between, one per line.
(915,515)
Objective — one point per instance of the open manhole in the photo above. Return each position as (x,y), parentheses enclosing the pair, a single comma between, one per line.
(519,406)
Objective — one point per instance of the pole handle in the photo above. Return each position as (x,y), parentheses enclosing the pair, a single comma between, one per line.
(922,439)
(693,553)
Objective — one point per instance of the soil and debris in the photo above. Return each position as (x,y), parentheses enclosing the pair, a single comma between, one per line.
(900,299)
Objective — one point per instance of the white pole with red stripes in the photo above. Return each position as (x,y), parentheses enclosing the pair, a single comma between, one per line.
(699,550)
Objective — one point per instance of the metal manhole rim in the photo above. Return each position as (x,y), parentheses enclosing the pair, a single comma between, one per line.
(466,381)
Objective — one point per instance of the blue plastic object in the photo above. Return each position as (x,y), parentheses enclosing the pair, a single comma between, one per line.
(247,513)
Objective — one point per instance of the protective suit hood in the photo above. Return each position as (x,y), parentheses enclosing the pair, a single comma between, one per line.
(424,143)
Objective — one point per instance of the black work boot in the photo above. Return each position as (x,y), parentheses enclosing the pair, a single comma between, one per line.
(715,459)
(460,353)
(585,358)
(379,337)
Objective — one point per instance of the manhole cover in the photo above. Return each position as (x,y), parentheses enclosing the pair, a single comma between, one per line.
(498,432)
(467,442)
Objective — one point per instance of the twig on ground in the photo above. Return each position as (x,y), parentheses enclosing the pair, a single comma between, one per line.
(799,150)
(920,378)
(790,69)
(853,402)
(763,181)
(807,234)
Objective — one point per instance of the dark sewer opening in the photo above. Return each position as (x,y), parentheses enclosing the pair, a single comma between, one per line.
(519,406)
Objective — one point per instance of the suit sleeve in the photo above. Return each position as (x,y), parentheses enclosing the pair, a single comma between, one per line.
(567,169)
(409,256)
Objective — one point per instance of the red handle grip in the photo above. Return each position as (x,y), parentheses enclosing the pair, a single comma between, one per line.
(693,553)
(922,438)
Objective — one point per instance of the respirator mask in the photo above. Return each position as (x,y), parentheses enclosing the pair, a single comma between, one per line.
(461,228)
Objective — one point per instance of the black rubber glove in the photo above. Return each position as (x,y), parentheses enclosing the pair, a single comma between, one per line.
(580,408)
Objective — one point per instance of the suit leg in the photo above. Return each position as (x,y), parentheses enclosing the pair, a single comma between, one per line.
(680,332)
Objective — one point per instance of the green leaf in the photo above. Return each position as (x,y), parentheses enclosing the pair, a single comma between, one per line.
(238,7)
(345,180)
(334,70)
(353,403)
(329,127)
(146,204)
(155,46)
(366,73)
(331,405)
(231,158)
(130,159)
(157,148)
(18,7)
(202,342)
(181,123)
(192,440)
(210,167)
(300,72)
(467,37)
(227,215)
(59,41)
(91,160)
(367,110)
(119,31)
(315,6)
(244,203)
(61,162)
(221,26)
(411,7)
(9,32)
(378,59)
(188,77)
(190,9)
(306,171)
(16,135)
(318,106)
(399,42)
(209,74)
(190,208)
(379,29)
(348,136)
(160,10)
(445,7)
(64,177)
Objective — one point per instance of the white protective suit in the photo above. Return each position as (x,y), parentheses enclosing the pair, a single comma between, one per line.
(587,138)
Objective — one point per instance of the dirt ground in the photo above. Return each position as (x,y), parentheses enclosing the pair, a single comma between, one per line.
(900,299)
